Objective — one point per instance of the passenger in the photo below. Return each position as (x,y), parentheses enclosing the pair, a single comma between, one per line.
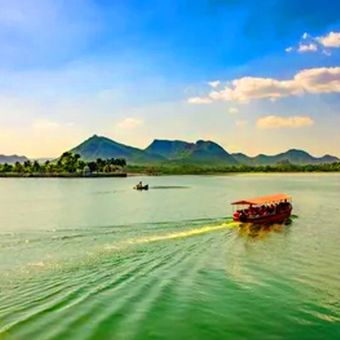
(243,216)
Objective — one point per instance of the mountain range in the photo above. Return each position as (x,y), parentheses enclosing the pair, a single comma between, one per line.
(292,156)
(180,152)
(102,147)
(206,152)
(12,159)
(176,151)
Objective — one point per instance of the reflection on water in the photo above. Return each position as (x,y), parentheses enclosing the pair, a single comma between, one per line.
(260,231)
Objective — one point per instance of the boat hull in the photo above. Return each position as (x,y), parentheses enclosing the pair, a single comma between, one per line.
(276,218)
(144,187)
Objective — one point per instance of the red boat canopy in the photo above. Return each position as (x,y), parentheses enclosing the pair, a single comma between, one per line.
(264,199)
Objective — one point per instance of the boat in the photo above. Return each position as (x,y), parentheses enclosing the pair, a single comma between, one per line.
(141,187)
(263,210)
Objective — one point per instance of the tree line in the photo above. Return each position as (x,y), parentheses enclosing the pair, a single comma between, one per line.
(181,169)
(68,163)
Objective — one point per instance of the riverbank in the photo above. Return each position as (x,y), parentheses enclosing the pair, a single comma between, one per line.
(158,170)
(160,173)
(185,169)
(61,175)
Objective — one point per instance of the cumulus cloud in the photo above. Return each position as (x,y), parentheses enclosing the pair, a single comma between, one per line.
(275,122)
(323,43)
(199,100)
(314,80)
(331,40)
(319,80)
(307,48)
(214,84)
(129,123)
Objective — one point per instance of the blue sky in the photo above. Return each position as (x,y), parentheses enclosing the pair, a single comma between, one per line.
(138,70)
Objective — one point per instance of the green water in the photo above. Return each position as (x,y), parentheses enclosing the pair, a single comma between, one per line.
(94,259)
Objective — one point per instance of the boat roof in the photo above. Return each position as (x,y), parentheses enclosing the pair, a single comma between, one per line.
(264,199)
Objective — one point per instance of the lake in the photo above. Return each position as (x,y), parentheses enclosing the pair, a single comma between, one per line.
(94,259)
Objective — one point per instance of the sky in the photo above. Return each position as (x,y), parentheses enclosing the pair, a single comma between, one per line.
(253,76)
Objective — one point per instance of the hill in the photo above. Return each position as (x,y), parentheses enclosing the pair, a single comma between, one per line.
(183,152)
(293,156)
(12,159)
(209,152)
(101,147)
(169,149)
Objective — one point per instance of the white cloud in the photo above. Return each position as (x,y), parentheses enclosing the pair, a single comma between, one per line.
(309,43)
(233,110)
(307,48)
(331,40)
(254,88)
(129,123)
(248,88)
(314,80)
(214,84)
(275,122)
(199,100)
(319,80)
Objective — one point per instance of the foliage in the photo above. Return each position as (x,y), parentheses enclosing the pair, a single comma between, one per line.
(68,163)
(197,169)
(71,164)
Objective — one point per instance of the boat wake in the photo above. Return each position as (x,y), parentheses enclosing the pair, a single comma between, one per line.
(179,234)
(170,187)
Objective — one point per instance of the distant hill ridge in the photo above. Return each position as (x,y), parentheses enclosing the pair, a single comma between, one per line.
(103,147)
(162,151)
(11,159)
(177,151)
(199,152)
(293,156)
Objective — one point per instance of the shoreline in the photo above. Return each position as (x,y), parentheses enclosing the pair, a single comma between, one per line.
(143,174)
(62,175)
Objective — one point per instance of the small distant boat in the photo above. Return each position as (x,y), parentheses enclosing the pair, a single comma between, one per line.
(263,210)
(141,187)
